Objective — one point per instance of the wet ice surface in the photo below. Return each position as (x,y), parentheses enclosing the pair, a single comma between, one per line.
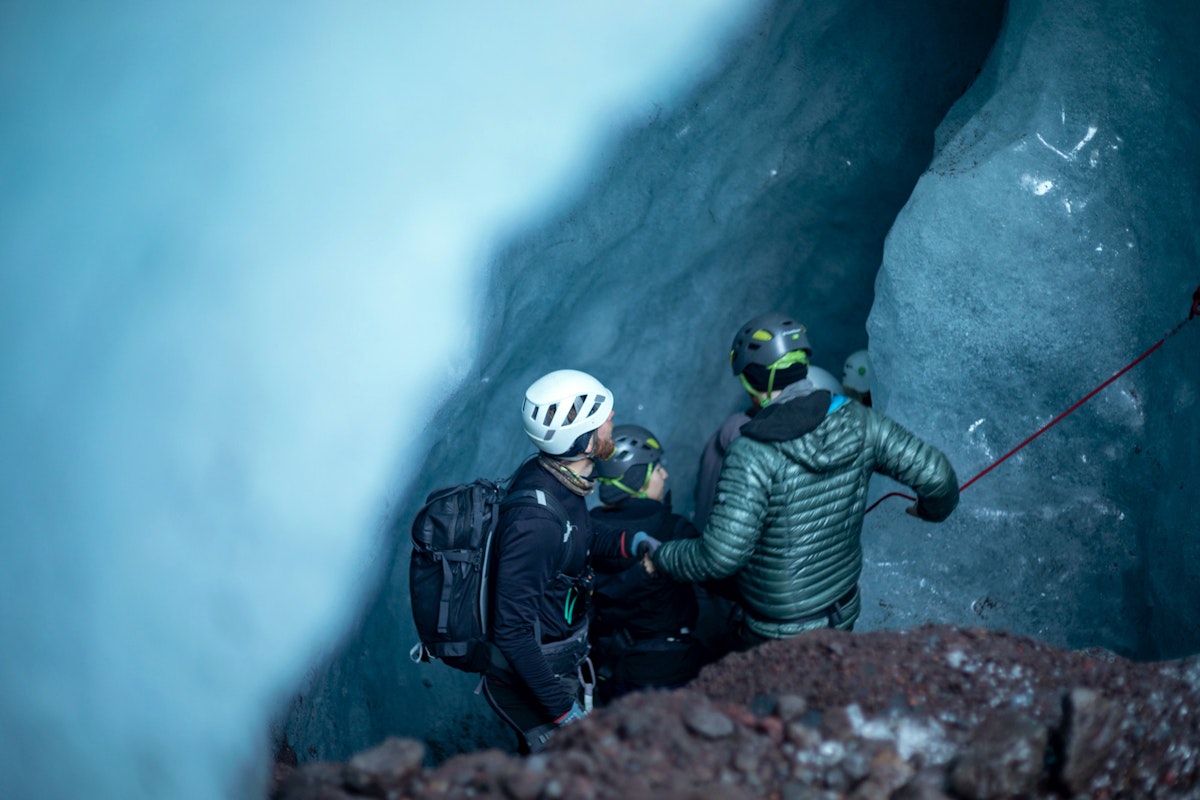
(929,712)
(1022,233)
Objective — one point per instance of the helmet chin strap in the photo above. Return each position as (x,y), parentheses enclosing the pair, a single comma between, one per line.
(763,397)
(588,452)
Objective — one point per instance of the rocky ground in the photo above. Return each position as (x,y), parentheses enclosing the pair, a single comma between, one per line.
(932,712)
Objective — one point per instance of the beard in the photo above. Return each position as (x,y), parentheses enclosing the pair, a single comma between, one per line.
(604,448)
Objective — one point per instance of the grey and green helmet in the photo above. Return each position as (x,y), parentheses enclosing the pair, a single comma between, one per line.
(767,339)
(627,472)
(770,352)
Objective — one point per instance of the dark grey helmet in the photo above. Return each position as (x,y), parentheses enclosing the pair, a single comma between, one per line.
(636,450)
(766,339)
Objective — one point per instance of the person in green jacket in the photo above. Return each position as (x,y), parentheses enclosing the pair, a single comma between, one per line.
(787,516)
(769,353)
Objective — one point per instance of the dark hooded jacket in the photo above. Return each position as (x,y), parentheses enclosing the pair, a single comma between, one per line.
(542,582)
(711,460)
(645,605)
(787,517)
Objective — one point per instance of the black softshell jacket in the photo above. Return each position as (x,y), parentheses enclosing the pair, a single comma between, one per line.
(531,594)
(647,605)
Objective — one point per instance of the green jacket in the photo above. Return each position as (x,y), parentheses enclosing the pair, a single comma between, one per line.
(787,520)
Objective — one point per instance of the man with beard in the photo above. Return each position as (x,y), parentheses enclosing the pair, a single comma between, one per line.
(543,565)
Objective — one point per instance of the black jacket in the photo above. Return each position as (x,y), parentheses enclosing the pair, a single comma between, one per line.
(540,569)
(645,605)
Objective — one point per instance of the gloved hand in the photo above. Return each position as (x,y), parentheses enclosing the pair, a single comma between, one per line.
(644,544)
(915,510)
(575,713)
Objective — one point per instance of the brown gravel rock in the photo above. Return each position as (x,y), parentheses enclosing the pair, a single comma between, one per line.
(384,768)
(924,714)
(1003,758)
(316,780)
(1092,734)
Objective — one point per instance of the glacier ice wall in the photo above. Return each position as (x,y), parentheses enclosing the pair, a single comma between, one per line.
(1051,242)
(771,185)
(243,324)
(238,246)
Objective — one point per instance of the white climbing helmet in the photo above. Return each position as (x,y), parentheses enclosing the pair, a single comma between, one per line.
(823,379)
(563,406)
(857,372)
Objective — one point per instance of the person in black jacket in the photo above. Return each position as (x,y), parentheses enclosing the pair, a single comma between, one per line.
(643,629)
(543,568)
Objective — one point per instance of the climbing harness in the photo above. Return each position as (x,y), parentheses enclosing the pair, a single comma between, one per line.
(1192,314)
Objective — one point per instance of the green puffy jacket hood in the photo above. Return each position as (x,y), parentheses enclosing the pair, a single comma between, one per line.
(800,423)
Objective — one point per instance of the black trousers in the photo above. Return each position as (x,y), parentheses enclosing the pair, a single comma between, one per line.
(627,665)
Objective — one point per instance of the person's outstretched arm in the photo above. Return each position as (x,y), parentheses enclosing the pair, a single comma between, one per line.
(903,456)
(735,524)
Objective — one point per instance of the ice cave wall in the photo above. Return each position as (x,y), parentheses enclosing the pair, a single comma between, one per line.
(212,364)
(1053,240)
(1049,241)
(226,233)
(770,186)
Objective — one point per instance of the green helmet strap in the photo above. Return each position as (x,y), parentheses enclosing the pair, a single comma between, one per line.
(634,492)
(788,360)
(763,399)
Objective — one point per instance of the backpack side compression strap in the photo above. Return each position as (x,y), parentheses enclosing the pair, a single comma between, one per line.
(449,558)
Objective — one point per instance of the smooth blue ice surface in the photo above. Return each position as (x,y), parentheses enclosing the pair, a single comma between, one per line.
(240,252)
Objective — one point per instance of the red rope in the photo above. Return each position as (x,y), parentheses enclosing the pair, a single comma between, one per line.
(1192,314)
(885,497)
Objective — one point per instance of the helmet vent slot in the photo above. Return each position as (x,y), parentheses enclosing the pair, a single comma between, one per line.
(573,413)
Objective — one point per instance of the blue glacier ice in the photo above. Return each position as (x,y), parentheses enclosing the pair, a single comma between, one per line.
(267,278)
(240,249)
(1052,241)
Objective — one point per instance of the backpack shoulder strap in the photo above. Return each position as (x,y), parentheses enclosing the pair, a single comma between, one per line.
(537,497)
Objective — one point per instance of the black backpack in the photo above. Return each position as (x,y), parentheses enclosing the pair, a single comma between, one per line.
(450,570)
